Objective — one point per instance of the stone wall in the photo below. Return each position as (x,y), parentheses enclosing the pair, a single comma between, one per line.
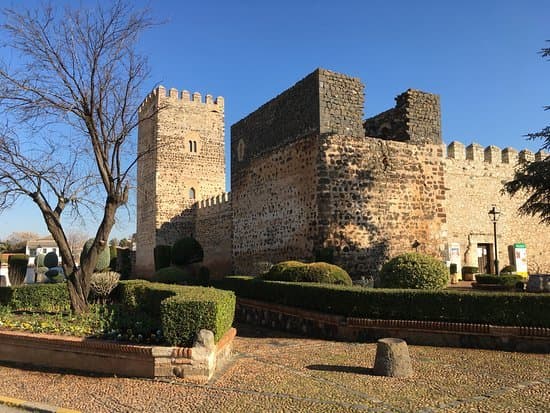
(416,118)
(214,231)
(376,197)
(275,206)
(474,177)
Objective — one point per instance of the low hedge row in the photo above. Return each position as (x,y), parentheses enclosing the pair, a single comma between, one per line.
(36,297)
(181,311)
(506,280)
(498,308)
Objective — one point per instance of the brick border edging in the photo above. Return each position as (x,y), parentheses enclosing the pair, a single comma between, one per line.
(106,357)
(439,333)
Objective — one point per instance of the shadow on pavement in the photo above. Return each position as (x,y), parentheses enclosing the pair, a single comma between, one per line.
(341,369)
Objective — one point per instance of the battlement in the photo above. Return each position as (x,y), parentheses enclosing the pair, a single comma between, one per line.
(221,199)
(183,96)
(492,154)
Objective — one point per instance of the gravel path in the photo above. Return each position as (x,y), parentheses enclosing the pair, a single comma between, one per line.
(275,372)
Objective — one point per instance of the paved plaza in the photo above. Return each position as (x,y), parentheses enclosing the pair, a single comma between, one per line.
(275,372)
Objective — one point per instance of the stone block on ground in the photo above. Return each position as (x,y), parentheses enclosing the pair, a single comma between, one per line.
(392,358)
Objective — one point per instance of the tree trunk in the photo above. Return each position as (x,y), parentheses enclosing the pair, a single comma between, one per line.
(77,293)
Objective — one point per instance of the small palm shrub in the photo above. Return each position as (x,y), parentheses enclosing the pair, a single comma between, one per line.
(316,272)
(414,270)
(103,260)
(187,251)
(103,283)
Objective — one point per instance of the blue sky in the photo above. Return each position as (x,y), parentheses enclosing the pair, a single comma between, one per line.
(479,56)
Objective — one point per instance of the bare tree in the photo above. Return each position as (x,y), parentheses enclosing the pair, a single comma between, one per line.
(74,98)
(18,240)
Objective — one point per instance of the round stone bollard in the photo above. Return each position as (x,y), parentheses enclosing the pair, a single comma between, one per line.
(392,358)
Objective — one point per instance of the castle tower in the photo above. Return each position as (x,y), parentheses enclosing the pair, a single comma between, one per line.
(181,148)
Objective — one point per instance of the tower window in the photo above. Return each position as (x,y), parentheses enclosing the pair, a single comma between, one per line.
(192,193)
(190,146)
(193,146)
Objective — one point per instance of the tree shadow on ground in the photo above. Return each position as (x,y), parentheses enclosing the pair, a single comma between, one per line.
(341,369)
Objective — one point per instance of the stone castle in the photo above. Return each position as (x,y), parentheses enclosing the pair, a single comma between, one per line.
(308,173)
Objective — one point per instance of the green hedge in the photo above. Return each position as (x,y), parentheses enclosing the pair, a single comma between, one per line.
(506,280)
(499,308)
(181,311)
(184,276)
(36,297)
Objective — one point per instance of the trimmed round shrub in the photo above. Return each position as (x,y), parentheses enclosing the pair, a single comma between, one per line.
(55,275)
(163,256)
(187,251)
(51,260)
(316,272)
(104,258)
(39,261)
(414,270)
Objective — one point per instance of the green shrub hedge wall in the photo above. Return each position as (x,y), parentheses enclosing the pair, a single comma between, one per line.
(481,307)
(184,276)
(193,309)
(181,311)
(506,280)
(36,297)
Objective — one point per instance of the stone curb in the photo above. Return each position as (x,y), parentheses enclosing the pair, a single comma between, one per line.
(33,406)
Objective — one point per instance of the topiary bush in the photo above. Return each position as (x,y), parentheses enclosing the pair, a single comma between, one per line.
(51,260)
(17,268)
(316,272)
(187,251)
(414,270)
(163,256)
(103,260)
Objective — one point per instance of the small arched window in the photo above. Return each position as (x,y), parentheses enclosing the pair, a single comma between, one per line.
(190,146)
(192,193)
(194,146)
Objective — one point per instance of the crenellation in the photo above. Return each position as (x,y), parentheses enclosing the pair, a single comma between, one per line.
(220,199)
(526,155)
(197,97)
(492,154)
(185,96)
(173,93)
(456,150)
(510,156)
(474,152)
(209,100)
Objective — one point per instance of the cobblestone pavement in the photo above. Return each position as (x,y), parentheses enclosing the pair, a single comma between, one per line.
(275,372)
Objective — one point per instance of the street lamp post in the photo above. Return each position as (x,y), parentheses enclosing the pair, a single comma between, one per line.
(494,214)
